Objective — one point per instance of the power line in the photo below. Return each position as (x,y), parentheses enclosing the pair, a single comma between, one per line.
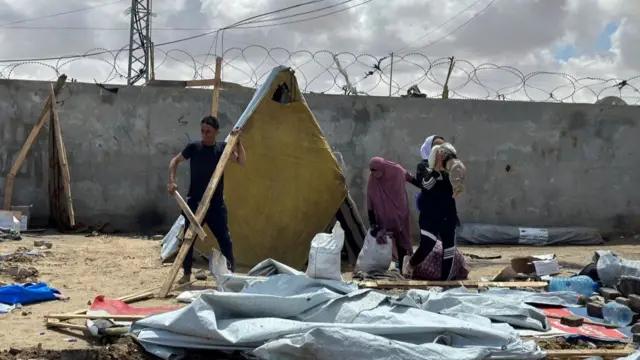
(439,27)
(307,19)
(458,28)
(215,40)
(194,36)
(60,14)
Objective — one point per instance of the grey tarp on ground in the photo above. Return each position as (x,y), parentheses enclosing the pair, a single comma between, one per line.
(634,356)
(235,283)
(501,305)
(488,234)
(283,315)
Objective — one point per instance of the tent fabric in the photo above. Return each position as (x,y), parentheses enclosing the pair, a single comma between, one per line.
(25,294)
(294,316)
(489,234)
(291,185)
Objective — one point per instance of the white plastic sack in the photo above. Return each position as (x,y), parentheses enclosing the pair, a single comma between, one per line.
(170,242)
(374,256)
(325,255)
(218,265)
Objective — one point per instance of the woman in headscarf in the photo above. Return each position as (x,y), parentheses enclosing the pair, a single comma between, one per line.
(425,151)
(438,213)
(388,205)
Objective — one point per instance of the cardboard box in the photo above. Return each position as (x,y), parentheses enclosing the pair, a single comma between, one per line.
(540,265)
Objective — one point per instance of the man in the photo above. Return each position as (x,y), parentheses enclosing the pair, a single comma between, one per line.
(204,157)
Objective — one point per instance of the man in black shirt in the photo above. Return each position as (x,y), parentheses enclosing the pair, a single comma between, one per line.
(203,159)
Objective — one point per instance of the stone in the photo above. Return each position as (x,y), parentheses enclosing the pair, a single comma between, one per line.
(629,285)
(623,300)
(38,243)
(595,310)
(634,302)
(572,321)
(636,338)
(609,294)
(157,237)
(596,299)
(636,328)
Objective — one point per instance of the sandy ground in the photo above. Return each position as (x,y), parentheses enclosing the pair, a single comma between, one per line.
(84,267)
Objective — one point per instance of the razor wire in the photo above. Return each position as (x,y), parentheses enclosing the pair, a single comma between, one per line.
(326,72)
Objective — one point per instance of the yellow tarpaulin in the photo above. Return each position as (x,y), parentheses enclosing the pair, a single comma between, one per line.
(291,186)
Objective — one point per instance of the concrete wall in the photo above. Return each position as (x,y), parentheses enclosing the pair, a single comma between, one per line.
(568,165)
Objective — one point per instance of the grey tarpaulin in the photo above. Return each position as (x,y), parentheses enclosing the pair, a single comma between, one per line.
(501,305)
(235,283)
(296,317)
(487,234)
(634,356)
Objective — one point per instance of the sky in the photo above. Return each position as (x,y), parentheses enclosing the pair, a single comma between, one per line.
(539,50)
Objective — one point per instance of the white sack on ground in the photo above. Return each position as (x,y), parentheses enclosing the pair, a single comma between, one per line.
(289,306)
(374,257)
(500,305)
(325,255)
(170,242)
(488,234)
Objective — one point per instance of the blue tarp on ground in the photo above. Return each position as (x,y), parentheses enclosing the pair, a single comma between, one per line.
(27,293)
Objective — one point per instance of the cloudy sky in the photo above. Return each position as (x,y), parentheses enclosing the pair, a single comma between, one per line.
(550,43)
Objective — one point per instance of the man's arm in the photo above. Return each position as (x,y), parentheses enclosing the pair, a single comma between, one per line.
(239,156)
(173,165)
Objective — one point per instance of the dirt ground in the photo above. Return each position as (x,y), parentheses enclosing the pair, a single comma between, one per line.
(84,267)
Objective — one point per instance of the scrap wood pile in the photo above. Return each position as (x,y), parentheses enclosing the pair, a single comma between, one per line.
(107,319)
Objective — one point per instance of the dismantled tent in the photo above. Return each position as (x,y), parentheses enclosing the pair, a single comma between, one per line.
(292,186)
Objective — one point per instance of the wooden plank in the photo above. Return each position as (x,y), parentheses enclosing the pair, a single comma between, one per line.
(189,238)
(62,155)
(415,284)
(93,317)
(22,155)
(203,82)
(581,353)
(202,235)
(54,177)
(215,103)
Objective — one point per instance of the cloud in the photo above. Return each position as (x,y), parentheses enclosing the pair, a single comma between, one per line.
(504,42)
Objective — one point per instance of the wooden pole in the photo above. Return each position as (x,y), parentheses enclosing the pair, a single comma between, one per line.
(445,90)
(94,317)
(202,235)
(189,237)
(62,155)
(215,103)
(8,187)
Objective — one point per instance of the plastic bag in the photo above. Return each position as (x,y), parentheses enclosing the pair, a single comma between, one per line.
(170,242)
(325,255)
(218,265)
(375,256)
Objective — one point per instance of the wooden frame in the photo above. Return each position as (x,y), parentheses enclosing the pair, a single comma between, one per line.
(22,155)
(62,156)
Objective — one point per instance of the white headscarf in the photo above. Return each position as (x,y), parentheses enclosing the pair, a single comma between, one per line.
(425,149)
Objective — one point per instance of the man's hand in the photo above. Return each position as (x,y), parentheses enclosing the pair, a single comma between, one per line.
(172,187)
